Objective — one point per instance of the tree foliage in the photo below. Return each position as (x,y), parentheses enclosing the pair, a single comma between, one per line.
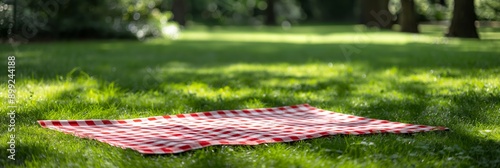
(488,9)
(89,18)
(144,18)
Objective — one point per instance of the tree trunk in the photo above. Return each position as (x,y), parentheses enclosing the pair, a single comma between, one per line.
(179,10)
(408,18)
(366,7)
(270,14)
(375,13)
(463,21)
(384,10)
(442,2)
(307,9)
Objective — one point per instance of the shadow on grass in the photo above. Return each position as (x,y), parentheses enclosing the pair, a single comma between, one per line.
(138,68)
(26,152)
(125,61)
(440,144)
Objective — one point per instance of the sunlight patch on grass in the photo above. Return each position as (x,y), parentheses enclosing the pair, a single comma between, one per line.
(358,35)
(93,94)
(34,91)
(489,35)
(354,38)
(253,103)
(303,70)
(205,91)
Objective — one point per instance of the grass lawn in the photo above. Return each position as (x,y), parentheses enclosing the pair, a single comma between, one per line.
(420,79)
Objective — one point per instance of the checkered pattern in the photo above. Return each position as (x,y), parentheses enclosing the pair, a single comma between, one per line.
(183,132)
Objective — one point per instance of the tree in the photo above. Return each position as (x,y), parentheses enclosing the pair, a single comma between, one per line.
(307,9)
(179,9)
(408,18)
(463,21)
(441,2)
(270,13)
(375,13)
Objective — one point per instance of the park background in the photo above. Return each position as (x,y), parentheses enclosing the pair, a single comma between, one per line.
(432,62)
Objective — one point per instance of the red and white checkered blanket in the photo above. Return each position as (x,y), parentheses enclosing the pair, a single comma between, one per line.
(183,132)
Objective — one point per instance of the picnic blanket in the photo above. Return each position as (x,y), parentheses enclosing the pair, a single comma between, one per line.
(184,132)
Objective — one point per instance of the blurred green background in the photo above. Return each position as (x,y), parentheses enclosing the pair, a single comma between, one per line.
(69,19)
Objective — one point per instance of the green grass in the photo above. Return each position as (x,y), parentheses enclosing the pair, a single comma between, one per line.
(420,79)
